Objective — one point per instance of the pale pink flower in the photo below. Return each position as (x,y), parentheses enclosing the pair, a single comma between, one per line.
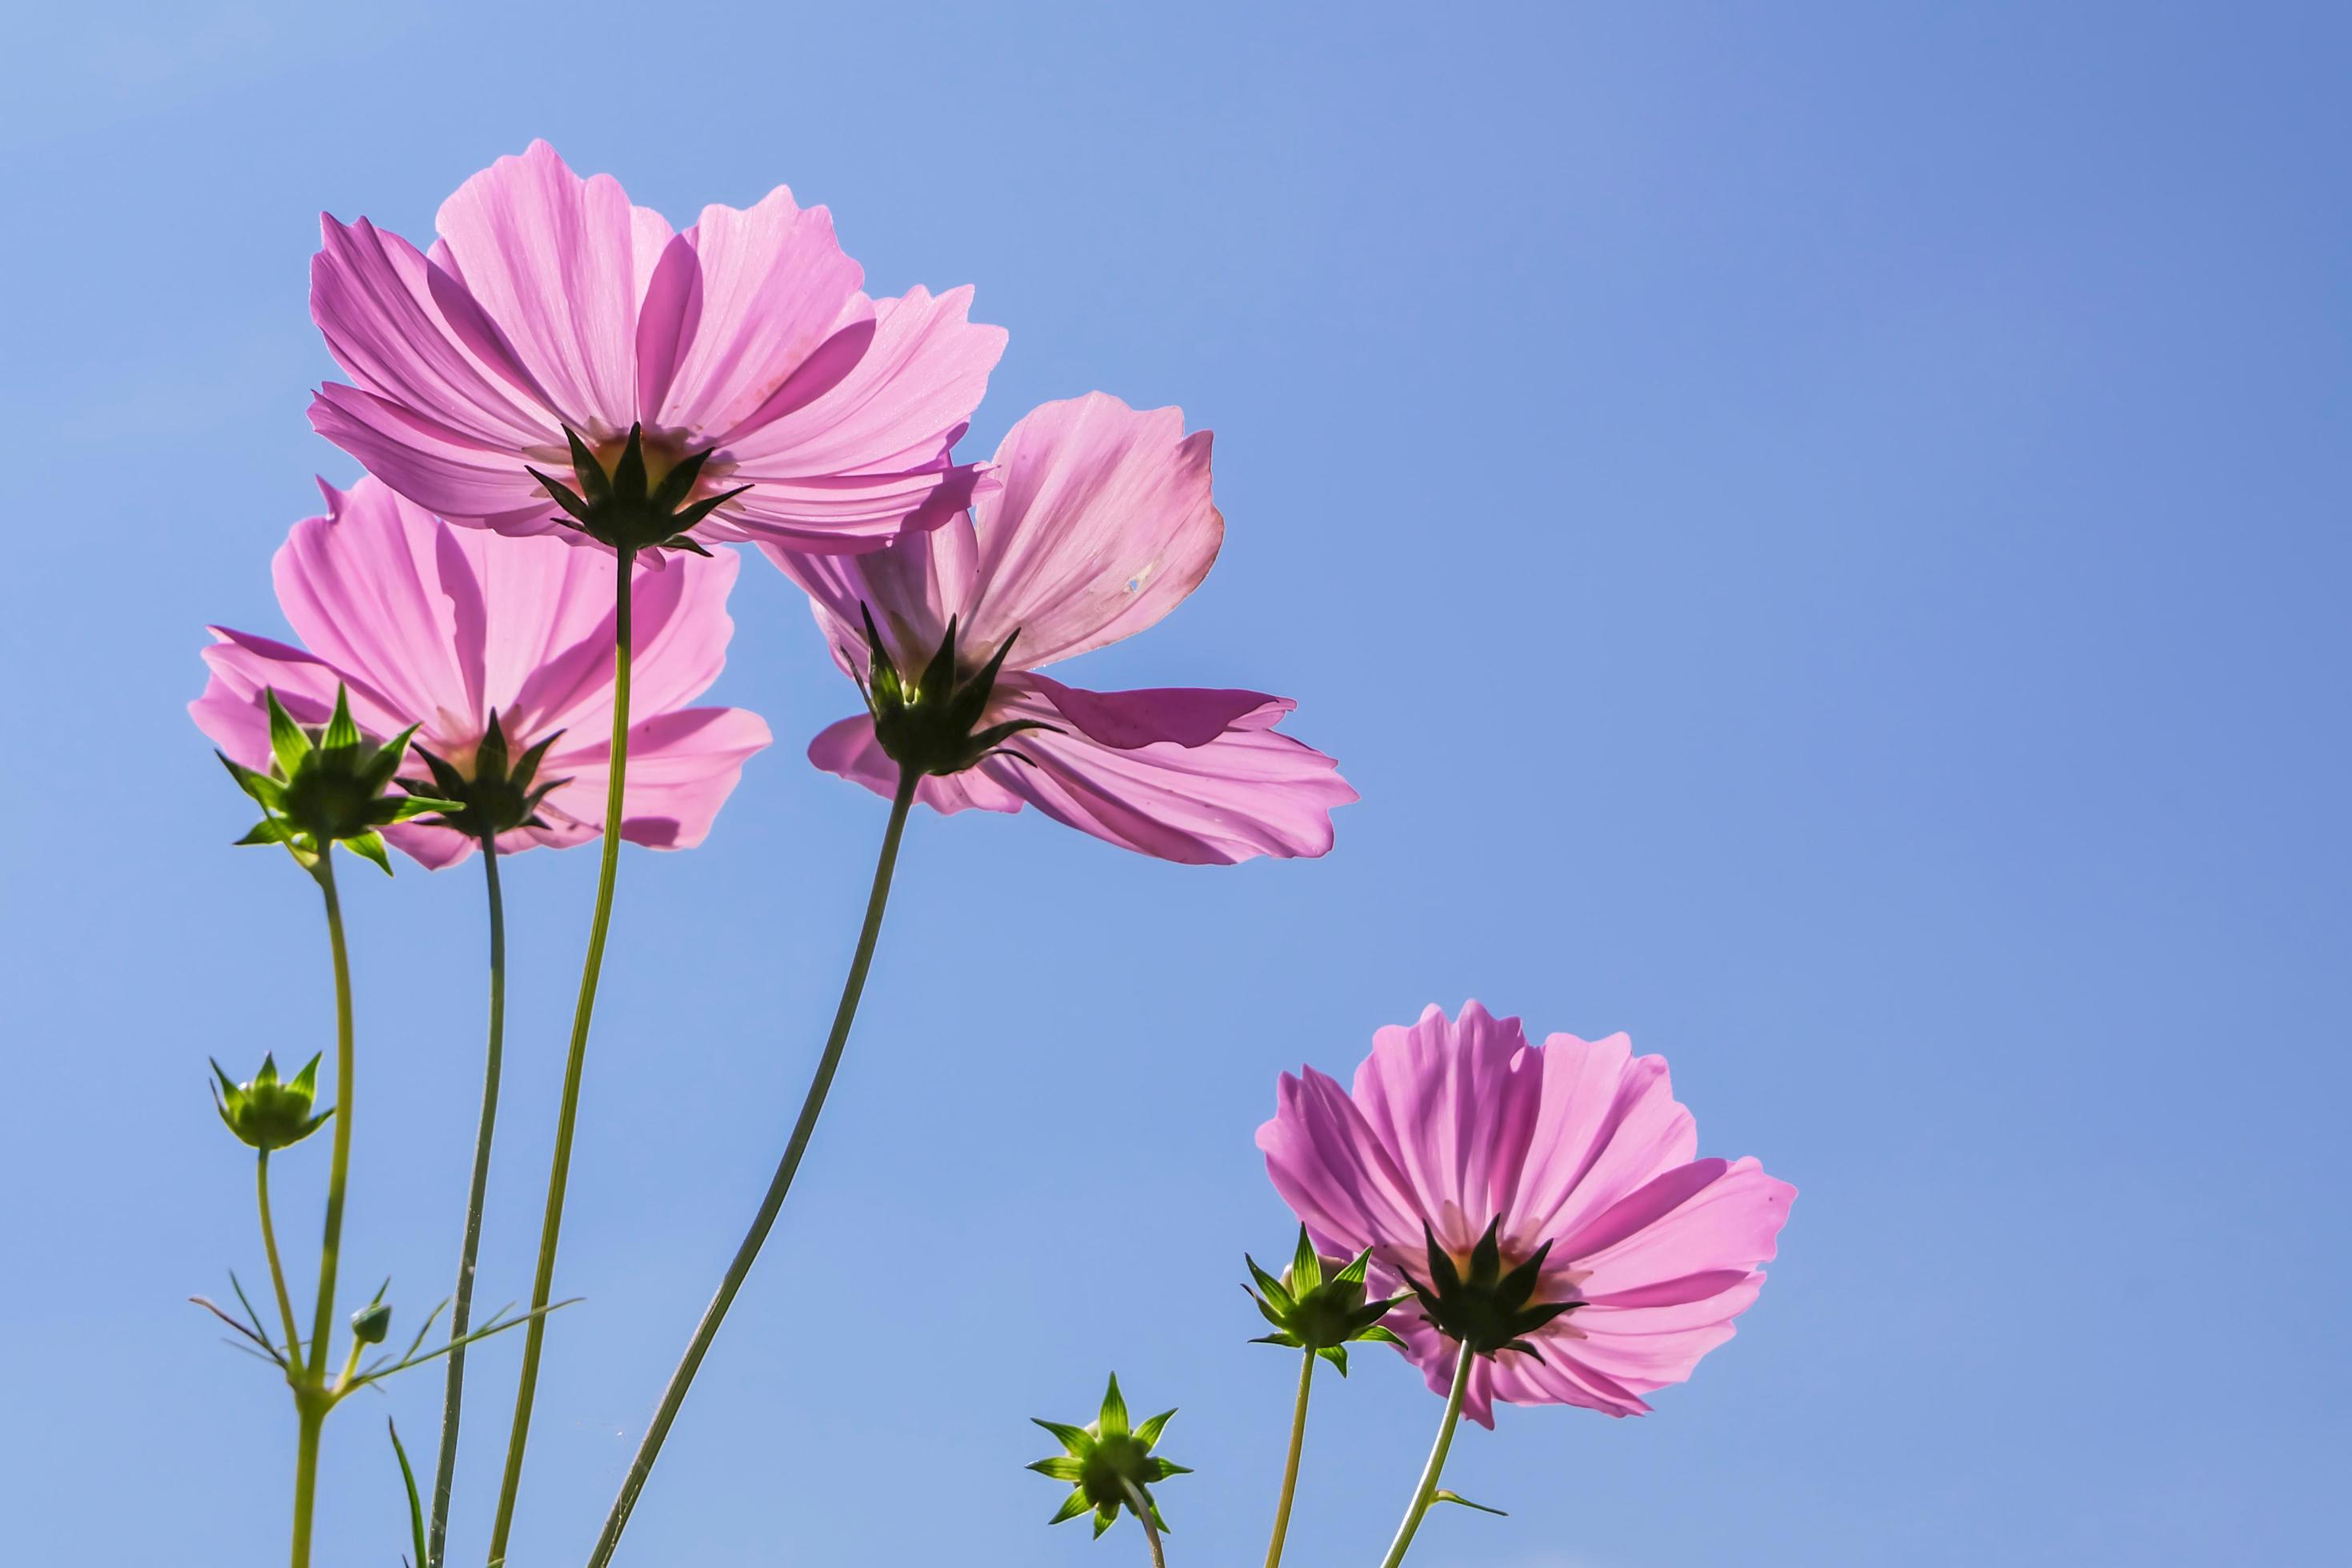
(442,627)
(1103,524)
(1576,1145)
(550,302)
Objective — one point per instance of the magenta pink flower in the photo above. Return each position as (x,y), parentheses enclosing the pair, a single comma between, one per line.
(549,303)
(1104,524)
(1576,1146)
(442,627)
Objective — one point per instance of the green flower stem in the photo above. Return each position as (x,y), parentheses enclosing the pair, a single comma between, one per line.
(338,1165)
(1141,1505)
(568,1113)
(306,1475)
(674,1395)
(1426,1493)
(276,1269)
(461,1301)
(1290,1469)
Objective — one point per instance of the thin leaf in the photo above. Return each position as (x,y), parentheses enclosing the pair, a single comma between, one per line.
(408,1479)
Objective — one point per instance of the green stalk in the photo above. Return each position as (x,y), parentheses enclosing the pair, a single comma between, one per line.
(340,1163)
(461,1301)
(1141,1506)
(568,1113)
(306,1477)
(1290,1469)
(310,1407)
(276,1269)
(674,1395)
(1426,1493)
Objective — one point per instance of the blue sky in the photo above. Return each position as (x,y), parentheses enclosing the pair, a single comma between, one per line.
(1820,533)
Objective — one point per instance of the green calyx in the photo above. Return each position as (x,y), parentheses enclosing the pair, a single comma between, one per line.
(1311,1312)
(501,792)
(1109,1465)
(326,787)
(1479,1305)
(932,723)
(625,506)
(267,1114)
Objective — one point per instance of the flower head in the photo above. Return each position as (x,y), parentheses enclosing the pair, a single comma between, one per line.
(1109,1465)
(499,650)
(1103,525)
(1544,1204)
(265,1114)
(1319,1311)
(553,327)
(324,784)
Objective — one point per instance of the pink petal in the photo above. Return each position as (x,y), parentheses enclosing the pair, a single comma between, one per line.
(558,265)
(434,848)
(849,470)
(1103,525)
(1334,1171)
(1608,1123)
(682,767)
(1175,715)
(364,588)
(681,630)
(370,296)
(849,750)
(442,472)
(912,587)
(908,397)
(1248,792)
(1706,1216)
(1451,1103)
(770,286)
(230,712)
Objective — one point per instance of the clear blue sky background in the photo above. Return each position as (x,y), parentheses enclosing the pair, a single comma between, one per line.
(1820,531)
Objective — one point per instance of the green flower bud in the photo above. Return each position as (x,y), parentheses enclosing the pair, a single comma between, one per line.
(267,1114)
(1311,1312)
(371,1322)
(1109,1465)
(328,787)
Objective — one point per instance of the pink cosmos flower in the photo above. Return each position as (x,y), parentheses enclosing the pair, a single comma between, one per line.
(1104,524)
(445,626)
(1573,1146)
(549,303)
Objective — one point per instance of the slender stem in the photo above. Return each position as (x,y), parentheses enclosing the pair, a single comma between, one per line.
(1141,1506)
(1427,1490)
(649,1447)
(461,1301)
(567,1114)
(276,1269)
(306,1479)
(339,1165)
(1290,1469)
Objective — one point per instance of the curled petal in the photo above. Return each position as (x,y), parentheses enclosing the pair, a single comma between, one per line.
(1248,791)
(1102,525)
